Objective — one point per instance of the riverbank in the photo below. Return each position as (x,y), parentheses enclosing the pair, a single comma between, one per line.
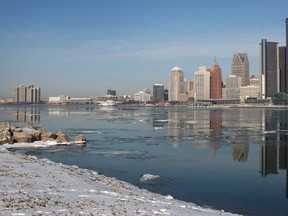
(32,186)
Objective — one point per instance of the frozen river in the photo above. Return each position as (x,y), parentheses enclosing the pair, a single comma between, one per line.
(232,159)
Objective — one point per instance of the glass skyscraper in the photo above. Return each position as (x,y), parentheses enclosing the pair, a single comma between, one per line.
(269,68)
(158,92)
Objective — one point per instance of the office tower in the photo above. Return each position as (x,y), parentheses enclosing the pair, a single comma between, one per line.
(176,84)
(269,68)
(232,89)
(283,77)
(240,67)
(202,84)
(158,92)
(216,81)
(287,47)
(166,95)
(111,92)
(27,94)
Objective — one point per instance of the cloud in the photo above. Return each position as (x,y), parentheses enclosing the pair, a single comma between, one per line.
(133,49)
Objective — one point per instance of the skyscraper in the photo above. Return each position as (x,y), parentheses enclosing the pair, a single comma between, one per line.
(287,47)
(240,67)
(232,89)
(158,92)
(216,81)
(282,70)
(202,83)
(176,84)
(269,68)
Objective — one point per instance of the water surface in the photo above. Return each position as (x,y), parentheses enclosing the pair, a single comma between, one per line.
(232,159)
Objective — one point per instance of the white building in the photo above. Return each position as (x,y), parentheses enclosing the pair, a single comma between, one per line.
(143,96)
(250,91)
(202,84)
(57,100)
(176,85)
(232,89)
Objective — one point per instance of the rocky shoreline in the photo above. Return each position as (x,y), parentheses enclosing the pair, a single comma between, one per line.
(10,134)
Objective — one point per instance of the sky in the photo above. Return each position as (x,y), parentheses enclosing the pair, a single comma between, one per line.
(83,48)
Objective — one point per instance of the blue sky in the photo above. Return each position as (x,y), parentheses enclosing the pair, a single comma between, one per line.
(82,48)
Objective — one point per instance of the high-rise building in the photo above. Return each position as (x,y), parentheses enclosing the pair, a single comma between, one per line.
(269,68)
(283,79)
(166,95)
(216,81)
(202,84)
(176,85)
(232,89)
(240,67)
(27,94)
(287,47)
(158,92)
(111,92)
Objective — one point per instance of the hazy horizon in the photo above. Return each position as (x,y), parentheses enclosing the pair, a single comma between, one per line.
(82,49)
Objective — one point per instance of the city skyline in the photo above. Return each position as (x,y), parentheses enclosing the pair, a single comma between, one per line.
(83,49)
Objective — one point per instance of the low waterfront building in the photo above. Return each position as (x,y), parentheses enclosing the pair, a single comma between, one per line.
(80,101)
(249,92)
(280,98)
(58,99)
(110,97)
(142,96)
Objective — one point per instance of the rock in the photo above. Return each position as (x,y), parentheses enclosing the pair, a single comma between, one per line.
(61,137)
(21,137)
(16,129)
(80,138)
(35,133)
(148,177)
(45,136)
(6,136)
(4,125)
(41,129)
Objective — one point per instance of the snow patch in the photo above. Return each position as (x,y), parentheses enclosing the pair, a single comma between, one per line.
(37,144)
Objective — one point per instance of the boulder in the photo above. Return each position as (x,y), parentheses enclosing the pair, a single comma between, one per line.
(35,133)
(6,136)
(80,138)
(22,137)
(41,129)
(61,137)
(4,125)
(17,129)
(45,136)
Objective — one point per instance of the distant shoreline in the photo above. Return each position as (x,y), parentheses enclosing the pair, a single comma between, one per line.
(268,106)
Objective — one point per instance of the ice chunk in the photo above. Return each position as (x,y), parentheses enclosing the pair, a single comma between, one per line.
(148,177)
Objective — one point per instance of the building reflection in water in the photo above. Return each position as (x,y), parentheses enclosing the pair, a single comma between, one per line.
(206,126)
(216,129)
(29,115)
(273,152)
(175,132)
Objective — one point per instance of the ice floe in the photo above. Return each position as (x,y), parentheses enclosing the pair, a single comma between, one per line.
(148,177)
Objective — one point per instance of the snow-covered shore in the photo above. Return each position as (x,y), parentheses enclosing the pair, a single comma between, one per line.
(32,186)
